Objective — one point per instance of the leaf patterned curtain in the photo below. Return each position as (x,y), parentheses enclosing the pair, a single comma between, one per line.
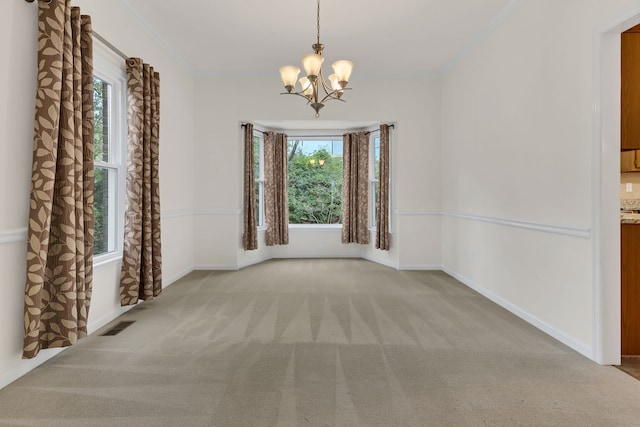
(276,205)
(250,236)
(60,236)
(355,188)
(141,276)
(382,202)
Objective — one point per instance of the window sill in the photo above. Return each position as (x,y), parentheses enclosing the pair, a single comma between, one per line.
(316,227)
(320,227)
(103,260)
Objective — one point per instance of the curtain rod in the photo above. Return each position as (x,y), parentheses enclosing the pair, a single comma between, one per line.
(244,125)
(110,46)
(300,136)
(392,126)
(314,136)
(99,37)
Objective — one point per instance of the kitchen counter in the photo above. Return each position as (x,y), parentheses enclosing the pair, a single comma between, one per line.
(629,218)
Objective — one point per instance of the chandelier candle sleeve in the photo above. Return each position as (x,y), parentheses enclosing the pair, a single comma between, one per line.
(312,64)
(343,71)
(307,88)
(313,86)
(289,75)
(335,84)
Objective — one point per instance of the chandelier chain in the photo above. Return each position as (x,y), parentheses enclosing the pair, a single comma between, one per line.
(318,21)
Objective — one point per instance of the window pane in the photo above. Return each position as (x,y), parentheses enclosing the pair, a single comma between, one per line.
(259,203)
(315,182)
(101,119)
(104,210)
(256,157)
(374,202)
(376,158)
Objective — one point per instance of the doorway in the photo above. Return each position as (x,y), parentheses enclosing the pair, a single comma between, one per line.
(606,190)
(630,201)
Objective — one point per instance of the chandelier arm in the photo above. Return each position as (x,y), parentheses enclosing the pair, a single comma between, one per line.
(300,94)
(326,88)
(331,96)
(313,96)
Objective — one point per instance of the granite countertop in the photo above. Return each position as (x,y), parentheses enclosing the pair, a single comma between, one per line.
(629,218)
(630,205)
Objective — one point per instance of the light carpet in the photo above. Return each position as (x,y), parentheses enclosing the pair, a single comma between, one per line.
(321,343)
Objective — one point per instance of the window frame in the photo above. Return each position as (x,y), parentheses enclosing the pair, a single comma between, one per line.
(315,136)
(373,181)
(331,135)
(259,180)
(110,68)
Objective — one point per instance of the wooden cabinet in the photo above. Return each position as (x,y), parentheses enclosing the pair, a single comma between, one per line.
(630,161)
(630,90)
(630,291)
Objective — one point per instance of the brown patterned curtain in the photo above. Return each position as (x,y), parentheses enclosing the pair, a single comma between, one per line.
(355,188)
(276,205)
(141,276)
(250,236)
(60,237)
(382,203)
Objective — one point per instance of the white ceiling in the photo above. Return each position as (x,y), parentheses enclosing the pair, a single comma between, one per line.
(255,37)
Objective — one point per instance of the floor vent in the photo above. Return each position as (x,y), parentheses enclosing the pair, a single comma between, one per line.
(118,328)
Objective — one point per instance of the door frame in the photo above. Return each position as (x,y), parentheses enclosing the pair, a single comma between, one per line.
(605,191)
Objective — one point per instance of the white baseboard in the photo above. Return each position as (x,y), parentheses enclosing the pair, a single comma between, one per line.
(215,267)
(94,326)
(386,263)
(328,255)
(420,267)
(26,366)
(251,262)
(567,340)
(171,280)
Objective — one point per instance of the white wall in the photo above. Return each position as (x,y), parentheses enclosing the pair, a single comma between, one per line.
(18,41)
(222,104)
(491,166)
(517,133)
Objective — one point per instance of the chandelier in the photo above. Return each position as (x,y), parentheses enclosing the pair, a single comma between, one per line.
(313,83)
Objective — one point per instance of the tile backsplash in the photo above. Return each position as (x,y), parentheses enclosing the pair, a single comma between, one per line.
(630,200)
(630,204)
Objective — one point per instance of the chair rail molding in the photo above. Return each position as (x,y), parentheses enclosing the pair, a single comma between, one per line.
(579,232)
(17,235)
(582,233)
